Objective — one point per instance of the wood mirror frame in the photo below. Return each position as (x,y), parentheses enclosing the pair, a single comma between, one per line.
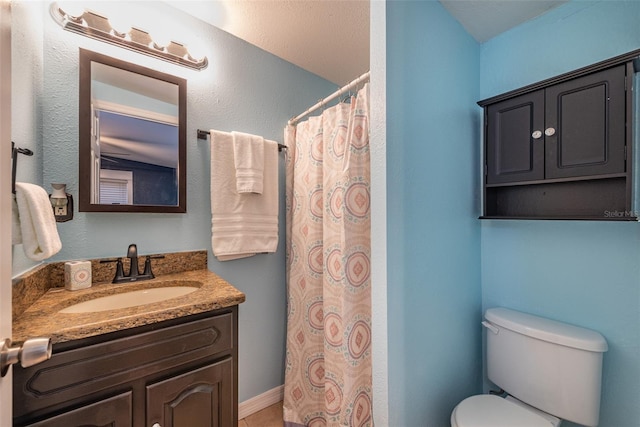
(86,118)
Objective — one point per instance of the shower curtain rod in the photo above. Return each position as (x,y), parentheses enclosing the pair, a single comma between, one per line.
(336,94)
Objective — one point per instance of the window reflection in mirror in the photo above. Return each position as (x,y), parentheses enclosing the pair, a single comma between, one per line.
(132,137)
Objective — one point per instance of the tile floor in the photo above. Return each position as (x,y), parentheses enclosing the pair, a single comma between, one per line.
(270,416)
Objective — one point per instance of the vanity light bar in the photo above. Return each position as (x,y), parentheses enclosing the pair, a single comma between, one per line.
(91,24)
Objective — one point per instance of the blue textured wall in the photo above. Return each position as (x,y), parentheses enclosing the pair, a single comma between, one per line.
(432,208)
(585,273)
(245,89)
(26,101)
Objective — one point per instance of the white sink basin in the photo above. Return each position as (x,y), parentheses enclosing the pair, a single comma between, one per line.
(129,299)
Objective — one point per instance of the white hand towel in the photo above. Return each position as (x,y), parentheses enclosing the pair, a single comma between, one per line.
(248,157)
(242,224)
(16,234)
(40,239)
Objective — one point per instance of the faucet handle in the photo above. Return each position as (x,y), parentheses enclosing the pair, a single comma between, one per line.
(147,265)
(147,268)
(119,269)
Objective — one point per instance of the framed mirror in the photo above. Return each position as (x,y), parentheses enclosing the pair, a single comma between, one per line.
(132,126)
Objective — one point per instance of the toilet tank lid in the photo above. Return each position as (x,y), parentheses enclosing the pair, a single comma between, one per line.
(547,329)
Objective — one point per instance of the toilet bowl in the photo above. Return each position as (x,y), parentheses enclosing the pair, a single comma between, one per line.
(486,410)
(524,355)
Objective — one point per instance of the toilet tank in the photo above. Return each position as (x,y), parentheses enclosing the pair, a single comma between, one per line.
(550,365)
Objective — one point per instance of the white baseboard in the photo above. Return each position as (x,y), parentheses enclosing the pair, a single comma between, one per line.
(261,401)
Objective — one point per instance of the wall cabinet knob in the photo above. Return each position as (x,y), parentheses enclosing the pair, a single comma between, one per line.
(156,425)
(549,131)
(536,134)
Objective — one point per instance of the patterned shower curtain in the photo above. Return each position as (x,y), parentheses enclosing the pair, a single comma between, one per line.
(328,367)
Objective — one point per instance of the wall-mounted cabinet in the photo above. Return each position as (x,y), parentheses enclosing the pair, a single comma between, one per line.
(561,148)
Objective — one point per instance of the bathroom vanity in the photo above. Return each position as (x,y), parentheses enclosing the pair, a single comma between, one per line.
(174,373)
(170,363)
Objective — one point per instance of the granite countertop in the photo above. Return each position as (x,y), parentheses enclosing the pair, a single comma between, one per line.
(42,318)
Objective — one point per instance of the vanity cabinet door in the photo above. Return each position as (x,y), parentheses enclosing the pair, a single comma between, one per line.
(198,398)
(112,412)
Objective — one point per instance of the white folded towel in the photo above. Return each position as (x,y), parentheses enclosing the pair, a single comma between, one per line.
(40,239)
(242,224)
(248,157)
(16,234)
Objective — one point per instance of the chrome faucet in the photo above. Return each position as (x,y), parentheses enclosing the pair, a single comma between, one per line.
(134,271)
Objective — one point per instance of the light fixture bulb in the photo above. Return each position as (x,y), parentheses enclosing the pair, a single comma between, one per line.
(161,40)
(121,23)
(72,8)
(196,50)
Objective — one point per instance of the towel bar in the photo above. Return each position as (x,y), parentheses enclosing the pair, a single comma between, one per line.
(203,134)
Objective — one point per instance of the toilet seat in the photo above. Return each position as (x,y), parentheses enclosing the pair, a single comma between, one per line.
(487,410)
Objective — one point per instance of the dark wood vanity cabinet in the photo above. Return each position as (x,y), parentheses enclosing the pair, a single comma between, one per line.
(112,412)
(561,149)
(179,373)
(199,398)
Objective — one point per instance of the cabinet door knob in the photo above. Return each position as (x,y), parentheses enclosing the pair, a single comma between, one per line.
(156,425)
(536,134)
(549,131)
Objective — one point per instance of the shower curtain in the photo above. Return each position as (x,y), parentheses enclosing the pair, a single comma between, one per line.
(328,358)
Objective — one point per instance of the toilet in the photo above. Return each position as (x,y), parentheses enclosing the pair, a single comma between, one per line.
(550,371)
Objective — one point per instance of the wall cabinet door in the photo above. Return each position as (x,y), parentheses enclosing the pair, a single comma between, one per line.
(571,129)
(514,153)
(112,412)
(587,116)
(199,398)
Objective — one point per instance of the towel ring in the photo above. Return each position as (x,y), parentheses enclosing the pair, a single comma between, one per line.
(14,165)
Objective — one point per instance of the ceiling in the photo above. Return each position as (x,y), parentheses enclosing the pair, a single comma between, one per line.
(485,19)
(330,38)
